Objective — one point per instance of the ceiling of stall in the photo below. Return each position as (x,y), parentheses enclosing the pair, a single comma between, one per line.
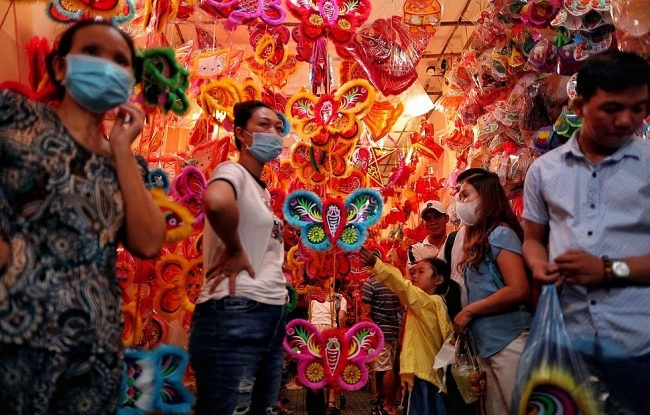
(444,48)
(450,39)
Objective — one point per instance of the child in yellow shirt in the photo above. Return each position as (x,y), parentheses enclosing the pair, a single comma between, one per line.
(427,327)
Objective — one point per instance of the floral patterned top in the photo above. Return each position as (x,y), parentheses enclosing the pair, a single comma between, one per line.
(62,212)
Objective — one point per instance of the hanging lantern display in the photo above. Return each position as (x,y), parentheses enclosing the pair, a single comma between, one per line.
(389,53)
(331,117)
(333,221)
(503,104)
(333,358)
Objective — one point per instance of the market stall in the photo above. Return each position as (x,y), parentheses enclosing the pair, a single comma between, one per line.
(383,101)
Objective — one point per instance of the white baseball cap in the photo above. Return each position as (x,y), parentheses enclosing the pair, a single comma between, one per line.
(433,204)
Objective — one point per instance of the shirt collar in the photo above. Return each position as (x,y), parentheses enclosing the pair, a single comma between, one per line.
(425,241)
(629,149)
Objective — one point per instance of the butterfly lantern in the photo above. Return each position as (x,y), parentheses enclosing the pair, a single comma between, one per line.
(338,18)
(179,285)
(313,166)
(333,358)
(270,44)
(323,224)
(239,12)
(153,381)
(331,117)
(70,11)
(218,98)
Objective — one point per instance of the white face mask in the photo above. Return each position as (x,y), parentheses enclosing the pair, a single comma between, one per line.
(467,212)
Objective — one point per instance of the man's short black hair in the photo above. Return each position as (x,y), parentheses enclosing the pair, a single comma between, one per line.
(612,71)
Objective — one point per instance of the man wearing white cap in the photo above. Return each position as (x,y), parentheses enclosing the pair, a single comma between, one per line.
(434,218)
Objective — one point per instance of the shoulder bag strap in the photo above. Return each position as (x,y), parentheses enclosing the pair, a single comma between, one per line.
(449,245)
(493,269)
(411,256)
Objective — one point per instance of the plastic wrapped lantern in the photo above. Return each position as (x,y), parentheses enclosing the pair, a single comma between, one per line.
(389,53)
(632,21)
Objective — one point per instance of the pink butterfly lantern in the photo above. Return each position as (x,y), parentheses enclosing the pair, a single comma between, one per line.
(333,358)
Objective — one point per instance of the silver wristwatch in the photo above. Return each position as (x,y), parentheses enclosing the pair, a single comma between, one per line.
(620,268)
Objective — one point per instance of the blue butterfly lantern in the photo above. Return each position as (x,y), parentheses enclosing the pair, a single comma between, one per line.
(153,381)
(333,221)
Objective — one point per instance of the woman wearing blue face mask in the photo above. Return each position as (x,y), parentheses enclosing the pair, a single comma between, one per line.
(239,320)
(69,195)
(496,285)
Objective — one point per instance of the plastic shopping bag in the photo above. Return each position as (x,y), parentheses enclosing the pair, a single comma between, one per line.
(551,377)
(445,357)
(469,377)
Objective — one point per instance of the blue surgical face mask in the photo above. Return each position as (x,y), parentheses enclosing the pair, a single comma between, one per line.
(97,84)
(265,147)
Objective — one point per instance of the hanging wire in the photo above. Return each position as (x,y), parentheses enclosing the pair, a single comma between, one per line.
(332,279)
(2,23)
(20,70)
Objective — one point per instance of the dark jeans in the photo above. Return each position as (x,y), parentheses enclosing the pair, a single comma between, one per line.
(627,380)
(315,402)
(236,352)
(455,403)
(425,399)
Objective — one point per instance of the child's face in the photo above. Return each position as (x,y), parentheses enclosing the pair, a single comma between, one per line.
(425,278)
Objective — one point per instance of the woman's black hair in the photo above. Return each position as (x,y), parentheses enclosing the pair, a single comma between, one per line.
(475,171)
(449,289)
(453,299)
(440,267)
(64,44)
(242,112)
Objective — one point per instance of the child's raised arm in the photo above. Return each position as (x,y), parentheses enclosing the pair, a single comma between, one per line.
(367,257)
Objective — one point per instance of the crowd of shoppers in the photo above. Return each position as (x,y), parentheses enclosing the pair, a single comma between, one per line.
(69,194)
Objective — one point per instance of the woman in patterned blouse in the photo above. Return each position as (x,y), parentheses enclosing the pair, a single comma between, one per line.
(69,194)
